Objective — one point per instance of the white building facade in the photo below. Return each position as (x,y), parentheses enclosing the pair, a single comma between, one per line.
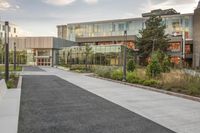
(13,30)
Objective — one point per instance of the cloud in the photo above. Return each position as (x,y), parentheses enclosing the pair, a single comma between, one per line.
(4,5)
(172,2)
(59,2)
(91,1)
(183,6)
(22,33)
(17,6)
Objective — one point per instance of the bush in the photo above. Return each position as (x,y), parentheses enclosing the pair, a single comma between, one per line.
(132,77)
(150,82)
(11,83)
(154,68)
(13,76)
(117,74)
(166,64)
(104,71)
(77,67)
(131,66)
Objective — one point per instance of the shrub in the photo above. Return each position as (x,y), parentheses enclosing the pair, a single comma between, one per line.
(131,66)
(117,74)
(166,64)
(154,68)
(104,71)
(10,83)
(13,76)
(77,67)
(150,82)
(132,77)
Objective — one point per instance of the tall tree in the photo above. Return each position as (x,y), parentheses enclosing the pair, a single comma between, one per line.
(153,37)
(88,51)
(1,52)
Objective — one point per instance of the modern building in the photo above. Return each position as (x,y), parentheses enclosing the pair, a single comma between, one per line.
(13,30)
(40,51)
(183,30)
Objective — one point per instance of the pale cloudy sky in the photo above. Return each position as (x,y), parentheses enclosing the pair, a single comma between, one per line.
(40,17)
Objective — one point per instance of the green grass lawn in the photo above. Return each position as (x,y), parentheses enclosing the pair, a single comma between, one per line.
(11,68)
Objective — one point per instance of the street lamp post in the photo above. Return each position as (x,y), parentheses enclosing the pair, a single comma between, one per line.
(153,47)
(124,63)
(14,56)
(6,51)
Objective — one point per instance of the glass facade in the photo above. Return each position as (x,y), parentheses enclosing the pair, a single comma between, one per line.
(179,25)
(175,24)
(104,29)
(100,55)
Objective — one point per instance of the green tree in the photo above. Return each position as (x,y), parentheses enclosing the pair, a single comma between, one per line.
(88,51)
(131,65)
(153,37)
(154,68)
(159,62)
(166,64)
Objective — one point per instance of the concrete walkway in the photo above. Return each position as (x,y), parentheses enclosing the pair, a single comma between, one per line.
(9,108)
(50,104)
(178,114)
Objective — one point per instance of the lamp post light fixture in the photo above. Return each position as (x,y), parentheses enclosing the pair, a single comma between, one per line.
(14,56)
(125,54)
(6,51)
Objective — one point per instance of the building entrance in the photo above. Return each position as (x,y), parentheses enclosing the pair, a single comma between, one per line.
(43,62)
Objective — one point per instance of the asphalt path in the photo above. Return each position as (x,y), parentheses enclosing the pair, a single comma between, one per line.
(52,105)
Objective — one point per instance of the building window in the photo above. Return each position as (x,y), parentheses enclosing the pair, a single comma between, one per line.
(175,59)
(43,53)
(121,27)
(15,30)
(188,49)
(175,47)
(113,27)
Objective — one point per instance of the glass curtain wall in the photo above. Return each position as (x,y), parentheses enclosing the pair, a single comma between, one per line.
(100,55)
(104,29)
(174,24)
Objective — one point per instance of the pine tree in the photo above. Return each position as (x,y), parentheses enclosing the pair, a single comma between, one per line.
(153,37)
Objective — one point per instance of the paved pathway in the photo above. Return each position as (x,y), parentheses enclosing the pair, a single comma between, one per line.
(32,68)
(52,105)
(178,114)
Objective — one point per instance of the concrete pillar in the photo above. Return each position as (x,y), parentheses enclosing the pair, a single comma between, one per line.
(196,37)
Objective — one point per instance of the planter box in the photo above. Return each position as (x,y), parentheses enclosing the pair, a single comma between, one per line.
(3,88)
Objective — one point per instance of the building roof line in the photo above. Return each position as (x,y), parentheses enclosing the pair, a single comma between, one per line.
(119,20)
(198,5)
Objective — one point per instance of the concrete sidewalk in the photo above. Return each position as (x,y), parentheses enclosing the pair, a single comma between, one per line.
(178,114)
(9,111)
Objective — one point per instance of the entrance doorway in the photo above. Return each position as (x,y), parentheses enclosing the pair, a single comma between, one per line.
(43,62)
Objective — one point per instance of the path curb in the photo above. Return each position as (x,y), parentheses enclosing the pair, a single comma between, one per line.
(151,89)
(19,85)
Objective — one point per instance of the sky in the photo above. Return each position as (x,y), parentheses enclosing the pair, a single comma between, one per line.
(40,17)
